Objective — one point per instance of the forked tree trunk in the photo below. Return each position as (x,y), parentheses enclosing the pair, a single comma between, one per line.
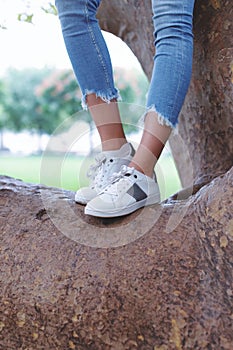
(204,147)
(159,279)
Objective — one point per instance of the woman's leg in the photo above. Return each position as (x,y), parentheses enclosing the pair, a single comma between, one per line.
(91,63)
(134,186)
(92,66)
(108,122)
(170,78)
(152,143)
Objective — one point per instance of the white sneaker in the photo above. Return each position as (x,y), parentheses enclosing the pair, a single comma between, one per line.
(100,173)
(129,191)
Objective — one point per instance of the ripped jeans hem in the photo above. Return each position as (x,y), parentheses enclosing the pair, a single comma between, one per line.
(162,120)
(106,97)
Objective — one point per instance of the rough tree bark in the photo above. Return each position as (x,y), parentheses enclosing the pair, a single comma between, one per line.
(159,279)
(206,123)
(167,289)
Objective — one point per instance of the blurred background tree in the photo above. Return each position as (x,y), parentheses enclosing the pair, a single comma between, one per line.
(39,100)
(20,102)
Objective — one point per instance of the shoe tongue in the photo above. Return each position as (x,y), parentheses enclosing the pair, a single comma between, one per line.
(123,151)
(127,171)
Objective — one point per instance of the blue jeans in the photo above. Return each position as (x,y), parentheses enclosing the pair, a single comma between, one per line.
(91,62)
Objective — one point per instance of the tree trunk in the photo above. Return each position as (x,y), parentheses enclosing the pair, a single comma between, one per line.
(204,147)
(160,278)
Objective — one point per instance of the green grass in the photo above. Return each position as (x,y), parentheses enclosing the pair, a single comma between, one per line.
(70,172)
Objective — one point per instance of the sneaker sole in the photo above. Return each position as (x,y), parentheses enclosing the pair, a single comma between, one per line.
(128,210)
(81,201)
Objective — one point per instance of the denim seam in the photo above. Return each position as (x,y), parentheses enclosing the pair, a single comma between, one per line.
(92,36)
(182,72)
(96,46)
(104,96)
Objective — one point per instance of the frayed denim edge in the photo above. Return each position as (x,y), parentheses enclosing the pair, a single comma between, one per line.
(161,119)
(105,97)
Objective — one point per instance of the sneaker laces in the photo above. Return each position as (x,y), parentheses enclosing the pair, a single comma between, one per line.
(124,170)
(94,168)
(117,180)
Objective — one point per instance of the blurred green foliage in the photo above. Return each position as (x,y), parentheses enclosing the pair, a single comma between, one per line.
(20,105)
(39,100)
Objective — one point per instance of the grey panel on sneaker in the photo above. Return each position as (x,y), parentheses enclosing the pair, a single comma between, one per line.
(128,191)
(137,193)
(100,173)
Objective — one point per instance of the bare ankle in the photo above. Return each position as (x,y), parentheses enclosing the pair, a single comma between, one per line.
(136,167)
(146,171)
(114,144)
